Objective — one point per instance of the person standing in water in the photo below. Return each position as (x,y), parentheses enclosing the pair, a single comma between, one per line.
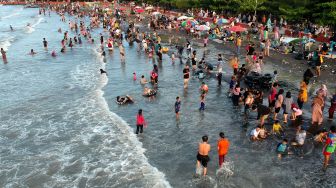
(3,53)
(202,107)
(223,146)
(45,43)
(203,154)
(329,147)
(186,76)
(122,52)
(177,107)
(140,122)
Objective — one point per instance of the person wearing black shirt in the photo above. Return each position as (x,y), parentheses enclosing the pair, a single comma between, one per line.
(251,50)
(241,72)
(193,60)
(263,112)
(186,76)
(45,43)
(307,75)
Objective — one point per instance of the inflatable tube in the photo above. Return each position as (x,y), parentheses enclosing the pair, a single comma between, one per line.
(152,93)
(121,103)
(165,49)
(127,101)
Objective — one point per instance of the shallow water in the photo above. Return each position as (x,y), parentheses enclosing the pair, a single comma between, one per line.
(60,128)
(56,128)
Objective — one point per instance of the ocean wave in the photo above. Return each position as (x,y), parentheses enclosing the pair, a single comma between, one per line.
(132,162)
(30,29)
(7,42)
(155,175)
(15,13)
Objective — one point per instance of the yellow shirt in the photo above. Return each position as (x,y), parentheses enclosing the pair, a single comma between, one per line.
(277,127)
(238,41)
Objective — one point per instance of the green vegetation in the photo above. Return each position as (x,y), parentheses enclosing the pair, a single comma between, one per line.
(319,11)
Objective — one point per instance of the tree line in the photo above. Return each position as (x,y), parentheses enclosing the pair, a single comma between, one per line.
(318,11)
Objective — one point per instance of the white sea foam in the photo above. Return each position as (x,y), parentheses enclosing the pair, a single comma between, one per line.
(31,28)
(6,42)
(118,139)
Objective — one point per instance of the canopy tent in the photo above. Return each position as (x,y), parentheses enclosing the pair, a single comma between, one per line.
(237,29)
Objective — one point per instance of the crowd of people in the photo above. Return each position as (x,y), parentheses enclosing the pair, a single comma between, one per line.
(250,98)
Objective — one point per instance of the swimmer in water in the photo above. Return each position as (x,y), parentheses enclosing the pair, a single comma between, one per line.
(146,91)
(32,52)
(103,72)
(11,28)
(53,53)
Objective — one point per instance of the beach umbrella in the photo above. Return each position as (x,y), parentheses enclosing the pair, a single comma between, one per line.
(203,28)
(184,23)
(182,18)
(155,13)
(222,21)
(237,29)
(149,8)
(269,24)
(192,22)
(139,10)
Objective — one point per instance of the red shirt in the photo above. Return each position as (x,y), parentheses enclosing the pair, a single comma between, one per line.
(140,120)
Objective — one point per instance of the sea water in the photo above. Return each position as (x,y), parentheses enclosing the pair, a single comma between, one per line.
(60,125)
(56,128)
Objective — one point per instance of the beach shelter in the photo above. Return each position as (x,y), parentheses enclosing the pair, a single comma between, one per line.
(269,24)
(203,28)
(237,29)
(156,13)
(122,8)
(182,18)
(140,10)
(222,21)
(149,8)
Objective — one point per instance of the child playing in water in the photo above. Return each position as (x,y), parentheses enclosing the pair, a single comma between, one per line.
(177,107)
(173,58)
(134,76)
(277,129)
(282,148)
(202,108)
